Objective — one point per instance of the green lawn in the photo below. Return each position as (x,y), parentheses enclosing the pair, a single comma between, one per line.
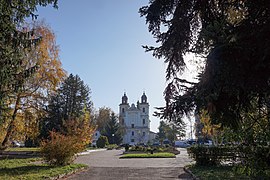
(92,148)
(216,172)
(18,149)
(144,155)
(25,169)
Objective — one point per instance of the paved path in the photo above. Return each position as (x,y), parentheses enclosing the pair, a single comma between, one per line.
(106,165)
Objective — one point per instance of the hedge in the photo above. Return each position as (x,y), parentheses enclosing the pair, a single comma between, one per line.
(253,155)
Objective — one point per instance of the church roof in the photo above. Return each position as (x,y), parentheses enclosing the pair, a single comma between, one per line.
(133,107)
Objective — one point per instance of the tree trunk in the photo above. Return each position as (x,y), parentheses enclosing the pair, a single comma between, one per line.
(11,124)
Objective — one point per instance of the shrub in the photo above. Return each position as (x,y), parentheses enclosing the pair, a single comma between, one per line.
(31,142)
(102,142)
(111,146)
(138,149)
(60,149)
(126,147)
(172,149)
(211,155)
(255,160)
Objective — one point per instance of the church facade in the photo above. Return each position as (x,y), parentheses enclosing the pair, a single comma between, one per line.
(135,121)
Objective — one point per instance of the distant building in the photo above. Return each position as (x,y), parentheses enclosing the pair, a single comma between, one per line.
(95,138)
(135,121)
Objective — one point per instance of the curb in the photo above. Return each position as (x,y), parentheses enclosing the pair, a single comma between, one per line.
(189,172)
(89,151)
(68,174)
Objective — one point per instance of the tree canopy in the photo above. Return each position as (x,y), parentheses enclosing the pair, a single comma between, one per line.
(108,124)
(170,131)
(112,130)
(15,42)
(70,103)
(27,103)
(233,38)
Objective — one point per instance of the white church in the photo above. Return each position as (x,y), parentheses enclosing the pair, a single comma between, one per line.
(136,122)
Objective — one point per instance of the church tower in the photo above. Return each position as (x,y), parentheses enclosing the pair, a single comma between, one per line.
(144,107)
(123,107)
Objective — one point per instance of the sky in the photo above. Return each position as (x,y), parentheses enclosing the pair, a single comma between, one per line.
(101,41)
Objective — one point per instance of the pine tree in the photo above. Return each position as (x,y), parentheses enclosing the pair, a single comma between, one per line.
(232,38)
(70,103)
(15,42)
(112,130)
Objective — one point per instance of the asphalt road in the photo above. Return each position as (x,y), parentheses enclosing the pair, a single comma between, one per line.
(106,165)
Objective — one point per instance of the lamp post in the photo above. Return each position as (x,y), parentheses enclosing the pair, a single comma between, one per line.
(113,138)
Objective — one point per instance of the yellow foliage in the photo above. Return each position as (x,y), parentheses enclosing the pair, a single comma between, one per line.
(81,128)
(27,103)
(209,129)
(61,147)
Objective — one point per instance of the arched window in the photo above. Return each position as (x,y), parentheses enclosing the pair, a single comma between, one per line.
(143,121)
(143,110)
(123,110)
(132,133)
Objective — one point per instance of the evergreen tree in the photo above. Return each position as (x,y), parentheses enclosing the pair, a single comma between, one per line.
(26,104)
(75,96)
(112,130)
(232,37)
(70,103)
(15,42)
(161,135)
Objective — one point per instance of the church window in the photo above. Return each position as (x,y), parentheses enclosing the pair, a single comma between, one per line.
(143,121)
(123,110)
(123,121)
(132,133)
(143,109)
(143,133)
(132,125)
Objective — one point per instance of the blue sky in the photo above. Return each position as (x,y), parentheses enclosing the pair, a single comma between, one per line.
(101,41)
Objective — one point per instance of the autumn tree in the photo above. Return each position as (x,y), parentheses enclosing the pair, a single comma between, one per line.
(108,125)
(28,102)
(209,130)
(60,149)
(102,117)
(15,42)
(81,128)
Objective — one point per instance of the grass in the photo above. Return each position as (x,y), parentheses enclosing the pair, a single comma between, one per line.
(216,172)
(25,169)
(144,155)
(90,148)
(19,149)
